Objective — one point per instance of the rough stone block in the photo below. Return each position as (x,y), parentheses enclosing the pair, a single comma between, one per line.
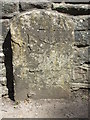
(42,54)
(81,23)
(4,23)
(9,8)
(4,91)
(81,55)
(1,57)
(2,73)
(77,86)
(5,28)
(82,38)
(79,14)
(29,4)
(72,1)
(80,74)
(72,9)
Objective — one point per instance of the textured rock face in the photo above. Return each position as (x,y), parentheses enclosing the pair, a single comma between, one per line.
(75,9)
(72,1)
(9,8)
(82,38)
(3,81)
(29,4)
(42,43)
(81,51)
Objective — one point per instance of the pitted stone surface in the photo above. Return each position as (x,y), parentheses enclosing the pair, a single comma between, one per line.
(42,53)
(81,23)
(29,4)
(82,38)
(9,8)
(72,9)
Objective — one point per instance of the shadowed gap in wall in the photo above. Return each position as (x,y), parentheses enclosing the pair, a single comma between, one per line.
(7,50)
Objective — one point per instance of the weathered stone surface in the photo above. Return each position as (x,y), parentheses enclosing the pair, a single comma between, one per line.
(81,55)
(5,28)
(79,14)
(4,31)
(72,9)
(81,23)
(80,74)
(76,86)
(29,4)
(72,1)
(2,67)
(82,38)
(2,74)
(1,56)
(4,91)
(0,99)
(42,54)
(9,8)
(81,59)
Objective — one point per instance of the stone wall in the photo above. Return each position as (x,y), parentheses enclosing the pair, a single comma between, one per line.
(44,48)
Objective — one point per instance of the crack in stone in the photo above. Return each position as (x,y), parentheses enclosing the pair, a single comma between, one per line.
(81,46)
(29,44)
(33,71)
(16,43)
(83,30)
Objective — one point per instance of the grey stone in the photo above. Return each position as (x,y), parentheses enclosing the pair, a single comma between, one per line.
(42,54)
(82,38)
(81,55)
(29,4)
(2,74)
(80,74)
(9,8)
(72,1)
(76,86)
(81,60)
(1,58)
(72,9)
(3,81)
(81,23)
(5,28)
(4,91)
(79,14)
